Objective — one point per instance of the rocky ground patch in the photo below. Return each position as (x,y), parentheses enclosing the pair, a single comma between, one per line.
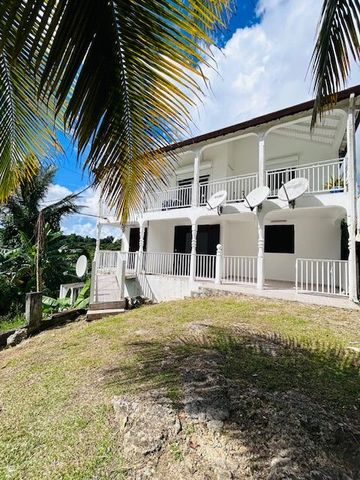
(222,428)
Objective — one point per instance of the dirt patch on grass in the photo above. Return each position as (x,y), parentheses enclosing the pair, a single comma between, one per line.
(250,406)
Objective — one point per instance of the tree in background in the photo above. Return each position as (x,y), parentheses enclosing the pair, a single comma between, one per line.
(22,263)
(337,42)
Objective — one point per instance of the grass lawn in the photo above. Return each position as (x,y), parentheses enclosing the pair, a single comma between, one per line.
(56,416)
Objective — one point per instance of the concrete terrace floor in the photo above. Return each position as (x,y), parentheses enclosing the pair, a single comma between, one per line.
(282,291)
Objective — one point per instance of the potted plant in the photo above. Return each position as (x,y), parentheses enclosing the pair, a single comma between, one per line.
(335,184)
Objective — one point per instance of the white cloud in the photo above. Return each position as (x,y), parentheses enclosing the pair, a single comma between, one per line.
(260,69)
(263,68)
(83,223)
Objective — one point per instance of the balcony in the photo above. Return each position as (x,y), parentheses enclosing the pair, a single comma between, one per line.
(177,197)
(323,177)
(235,187)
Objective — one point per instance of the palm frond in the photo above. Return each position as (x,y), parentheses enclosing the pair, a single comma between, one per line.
(337,42)
(125,72)
(25,125)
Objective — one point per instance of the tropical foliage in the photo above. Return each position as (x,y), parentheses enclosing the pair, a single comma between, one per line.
(53,305)
(18,240)
(337,42)
(119,74)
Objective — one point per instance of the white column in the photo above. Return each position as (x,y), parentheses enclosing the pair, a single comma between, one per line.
(98,226)
(259,216)
(141,248)
(262,175)
(98,236)
(260,257)
(193,252)
(351,208)
(195,188)
(219,264)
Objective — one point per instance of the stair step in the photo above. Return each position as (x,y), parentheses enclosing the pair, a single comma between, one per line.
(118,304)
(98,314)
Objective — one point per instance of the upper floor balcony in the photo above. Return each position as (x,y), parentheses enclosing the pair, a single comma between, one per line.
(323,177)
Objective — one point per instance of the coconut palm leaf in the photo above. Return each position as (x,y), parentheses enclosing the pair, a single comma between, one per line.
(25,124)
(337,42)
(125,72)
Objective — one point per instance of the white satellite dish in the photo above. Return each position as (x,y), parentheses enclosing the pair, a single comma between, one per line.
(292,190)
(81,266)
(256,197)
(216,200)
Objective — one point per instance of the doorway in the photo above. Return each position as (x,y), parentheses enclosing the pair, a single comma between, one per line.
(208,237)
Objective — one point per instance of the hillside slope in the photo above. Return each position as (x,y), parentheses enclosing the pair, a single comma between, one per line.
(203,389)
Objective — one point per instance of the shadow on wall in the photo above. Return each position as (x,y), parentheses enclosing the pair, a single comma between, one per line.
(277,403)
(139,285)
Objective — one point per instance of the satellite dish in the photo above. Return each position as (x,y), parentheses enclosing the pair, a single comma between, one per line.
(81,266)
(292,190)
(256,197)
(216,200)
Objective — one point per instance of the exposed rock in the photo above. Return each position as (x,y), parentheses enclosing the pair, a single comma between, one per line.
(17,337)
(146,426)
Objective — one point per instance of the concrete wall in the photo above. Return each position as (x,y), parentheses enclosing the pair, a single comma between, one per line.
(277,146)
(240,238)
(314,238)
(161,235)
(160,288)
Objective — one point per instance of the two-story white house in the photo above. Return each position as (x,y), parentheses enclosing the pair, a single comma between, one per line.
(177,243)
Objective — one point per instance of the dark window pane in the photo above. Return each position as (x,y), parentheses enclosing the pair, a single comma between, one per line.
(279,239)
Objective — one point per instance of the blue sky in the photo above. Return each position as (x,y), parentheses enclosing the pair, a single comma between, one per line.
(260,67)
(70,173)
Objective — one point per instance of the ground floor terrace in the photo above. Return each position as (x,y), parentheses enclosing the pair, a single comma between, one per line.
(280,253)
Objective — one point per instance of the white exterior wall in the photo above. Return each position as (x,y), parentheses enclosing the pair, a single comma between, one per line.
(314,238)
(277,146)
(240,238)
(161,235)
(244,155)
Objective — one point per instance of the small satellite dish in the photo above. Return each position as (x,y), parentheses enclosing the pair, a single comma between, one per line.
(256,197)
(216,200)
(292,190)
(81,266)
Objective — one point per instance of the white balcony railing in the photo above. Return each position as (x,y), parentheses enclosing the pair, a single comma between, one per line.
(177,264)
(239,269)
(236,188)
(178,197)
(328,277)
(326,176)
(107,261)
(205,267)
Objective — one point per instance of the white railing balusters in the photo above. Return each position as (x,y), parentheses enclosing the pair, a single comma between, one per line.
(108,261)
(205,267)
(322,176)
(176,264)
(169,199)
(239,269)
(322,276)
(235,187)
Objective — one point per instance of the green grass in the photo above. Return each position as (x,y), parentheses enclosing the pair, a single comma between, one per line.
(10,323)
(56,418)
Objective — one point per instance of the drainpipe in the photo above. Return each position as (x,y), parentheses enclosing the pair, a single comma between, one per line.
(259,216)
(351,207)
(195,188)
